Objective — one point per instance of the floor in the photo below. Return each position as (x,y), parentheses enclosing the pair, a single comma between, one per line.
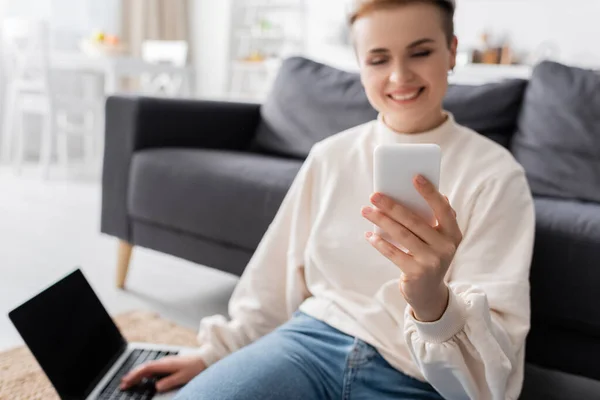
(50,227)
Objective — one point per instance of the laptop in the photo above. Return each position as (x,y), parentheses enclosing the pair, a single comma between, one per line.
(78,346)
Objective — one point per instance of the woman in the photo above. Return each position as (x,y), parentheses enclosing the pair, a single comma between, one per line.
(323,311)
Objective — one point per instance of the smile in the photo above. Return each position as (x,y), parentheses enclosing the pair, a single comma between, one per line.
(407,96)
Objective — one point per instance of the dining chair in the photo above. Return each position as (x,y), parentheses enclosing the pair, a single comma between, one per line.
(33,90)
(172,52)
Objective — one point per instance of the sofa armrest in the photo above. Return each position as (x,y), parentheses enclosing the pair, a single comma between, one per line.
(154,122)
(137,123)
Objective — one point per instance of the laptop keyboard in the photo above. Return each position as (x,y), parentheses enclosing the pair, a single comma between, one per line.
(143,391)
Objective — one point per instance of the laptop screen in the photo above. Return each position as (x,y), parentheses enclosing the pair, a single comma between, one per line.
(70,334)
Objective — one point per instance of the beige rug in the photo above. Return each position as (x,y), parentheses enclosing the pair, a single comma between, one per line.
(21,378)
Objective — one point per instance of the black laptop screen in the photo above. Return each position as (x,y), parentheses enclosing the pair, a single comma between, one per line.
(70,334)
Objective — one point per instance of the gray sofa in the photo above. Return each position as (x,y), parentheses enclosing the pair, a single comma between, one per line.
(202,181)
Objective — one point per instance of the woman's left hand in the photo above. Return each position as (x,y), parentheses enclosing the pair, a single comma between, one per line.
(430,248)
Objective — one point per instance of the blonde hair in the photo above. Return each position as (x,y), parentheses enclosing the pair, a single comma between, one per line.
(365,7)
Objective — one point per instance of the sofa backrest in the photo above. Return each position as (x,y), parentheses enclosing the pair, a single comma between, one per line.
(558,140)
(310,101)
(491,109)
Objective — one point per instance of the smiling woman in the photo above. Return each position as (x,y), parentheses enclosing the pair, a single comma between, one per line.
(404,56)
(338,312)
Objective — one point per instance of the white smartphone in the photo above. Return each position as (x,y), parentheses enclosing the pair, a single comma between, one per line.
(394,168)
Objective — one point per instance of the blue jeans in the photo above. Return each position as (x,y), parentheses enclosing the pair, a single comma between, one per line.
(305,359)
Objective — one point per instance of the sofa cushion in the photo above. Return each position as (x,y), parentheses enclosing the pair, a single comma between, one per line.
(558,140)
(491,109)
(227,197)
(565,277)
(310,101)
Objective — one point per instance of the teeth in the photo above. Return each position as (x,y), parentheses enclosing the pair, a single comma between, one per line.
(405,97)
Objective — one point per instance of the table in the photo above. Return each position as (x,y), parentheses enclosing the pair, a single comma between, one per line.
(115,67)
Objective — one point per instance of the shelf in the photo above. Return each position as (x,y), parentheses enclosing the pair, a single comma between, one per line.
(474,74)
(271,28)
(521,70)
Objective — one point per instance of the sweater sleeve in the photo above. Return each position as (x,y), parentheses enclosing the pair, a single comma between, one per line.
(476,350)
(272,286)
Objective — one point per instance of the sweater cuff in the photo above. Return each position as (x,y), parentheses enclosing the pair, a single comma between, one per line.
(208,354)
(453,320)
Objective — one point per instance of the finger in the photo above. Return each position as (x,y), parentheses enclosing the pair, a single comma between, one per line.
(441,208)
(402,260)
(172,381)
(162,366)
(409,219)
(448,201)
(397,232)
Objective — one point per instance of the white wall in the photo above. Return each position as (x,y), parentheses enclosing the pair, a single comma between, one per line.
(2,83)
(573,27)
(76,15)
(210,24)
(327,26)
(69,19)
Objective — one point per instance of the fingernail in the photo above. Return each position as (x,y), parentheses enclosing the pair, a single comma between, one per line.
(367,210)
(376,198)
(421,180)
(368,235)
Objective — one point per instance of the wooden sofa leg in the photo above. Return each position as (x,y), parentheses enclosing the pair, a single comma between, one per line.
(124,257)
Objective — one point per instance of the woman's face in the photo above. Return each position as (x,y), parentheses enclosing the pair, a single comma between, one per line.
(404,61)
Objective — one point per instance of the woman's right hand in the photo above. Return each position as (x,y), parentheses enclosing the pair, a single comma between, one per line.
(179,370)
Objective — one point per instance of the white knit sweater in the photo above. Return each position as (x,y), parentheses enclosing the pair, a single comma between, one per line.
(314,257)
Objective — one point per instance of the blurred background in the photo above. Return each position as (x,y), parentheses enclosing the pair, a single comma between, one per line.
(226,49)
(61,59)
